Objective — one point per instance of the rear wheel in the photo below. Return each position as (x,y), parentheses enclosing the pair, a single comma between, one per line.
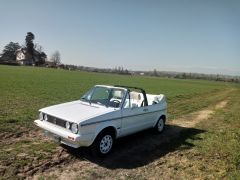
(160,125)
(103,144)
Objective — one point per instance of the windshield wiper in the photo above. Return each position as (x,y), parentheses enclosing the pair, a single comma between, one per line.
(101,104)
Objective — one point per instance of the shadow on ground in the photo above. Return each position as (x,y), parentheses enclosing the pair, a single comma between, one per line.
(142,148)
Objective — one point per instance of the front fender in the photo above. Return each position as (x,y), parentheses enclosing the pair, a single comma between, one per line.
(101,126)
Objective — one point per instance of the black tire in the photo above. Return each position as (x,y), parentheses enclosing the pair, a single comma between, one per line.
(160,126)
(103,144)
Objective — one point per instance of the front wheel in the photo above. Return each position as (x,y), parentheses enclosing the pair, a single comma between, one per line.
(103,144)
(160,125)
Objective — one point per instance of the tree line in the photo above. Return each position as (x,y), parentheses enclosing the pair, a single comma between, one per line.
(184,75)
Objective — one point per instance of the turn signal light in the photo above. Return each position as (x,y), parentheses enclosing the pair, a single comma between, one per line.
(71,138)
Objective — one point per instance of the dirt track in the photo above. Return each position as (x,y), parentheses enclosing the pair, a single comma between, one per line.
(133,152)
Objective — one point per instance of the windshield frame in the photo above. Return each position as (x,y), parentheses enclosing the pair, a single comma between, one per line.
(87,97)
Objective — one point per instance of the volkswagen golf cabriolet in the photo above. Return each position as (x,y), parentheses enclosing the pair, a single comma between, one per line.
(102,115)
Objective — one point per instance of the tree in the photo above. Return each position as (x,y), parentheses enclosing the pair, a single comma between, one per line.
(155,73)
(38,48)
(9,51)
(41,59)
(29,44)
(42,55)
(184,76)
(56,58)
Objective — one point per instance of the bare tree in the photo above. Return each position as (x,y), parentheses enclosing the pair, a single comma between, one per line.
(38,47)
(56,58)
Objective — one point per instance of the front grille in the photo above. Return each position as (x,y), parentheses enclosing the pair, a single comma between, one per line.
(56,121)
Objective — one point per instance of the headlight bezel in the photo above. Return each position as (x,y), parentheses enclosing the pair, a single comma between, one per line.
(68,125)
(40,116)
(45,117)
(74,128)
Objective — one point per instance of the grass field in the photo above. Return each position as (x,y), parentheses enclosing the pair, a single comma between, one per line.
(23,150)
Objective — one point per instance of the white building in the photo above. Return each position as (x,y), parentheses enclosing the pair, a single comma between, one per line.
(24,58)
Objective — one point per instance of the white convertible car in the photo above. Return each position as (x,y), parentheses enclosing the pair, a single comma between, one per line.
(102,115)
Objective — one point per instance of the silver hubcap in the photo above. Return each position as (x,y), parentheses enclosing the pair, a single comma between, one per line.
(106,144)
(160,125)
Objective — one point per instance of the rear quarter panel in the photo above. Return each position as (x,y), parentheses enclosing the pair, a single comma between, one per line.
(158,110)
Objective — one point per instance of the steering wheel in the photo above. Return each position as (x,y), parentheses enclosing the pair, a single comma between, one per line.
(116,101)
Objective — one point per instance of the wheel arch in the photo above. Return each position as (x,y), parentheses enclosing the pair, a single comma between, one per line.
(104,129)
(111,129)
(163,116)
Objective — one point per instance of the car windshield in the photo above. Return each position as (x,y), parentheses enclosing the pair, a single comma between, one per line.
(110,97)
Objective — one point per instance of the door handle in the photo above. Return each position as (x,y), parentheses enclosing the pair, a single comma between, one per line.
(145,110)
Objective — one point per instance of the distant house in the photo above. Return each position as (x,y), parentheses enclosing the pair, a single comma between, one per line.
(24,58)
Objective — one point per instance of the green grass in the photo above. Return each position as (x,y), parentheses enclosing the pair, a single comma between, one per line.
(221,143)
(214,154)
(24,90)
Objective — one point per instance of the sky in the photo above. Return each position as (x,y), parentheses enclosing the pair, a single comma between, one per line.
(173,35)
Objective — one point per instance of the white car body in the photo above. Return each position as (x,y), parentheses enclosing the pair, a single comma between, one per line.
(92,118)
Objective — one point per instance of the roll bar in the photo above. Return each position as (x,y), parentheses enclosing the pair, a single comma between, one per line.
(142,90)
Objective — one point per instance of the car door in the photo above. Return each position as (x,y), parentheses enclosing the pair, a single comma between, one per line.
(134,118)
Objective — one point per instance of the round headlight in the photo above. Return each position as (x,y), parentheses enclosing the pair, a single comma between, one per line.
(45,117)
(41,116)
(74,128)
(67,125)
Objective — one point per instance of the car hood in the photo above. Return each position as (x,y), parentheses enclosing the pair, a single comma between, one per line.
(76,111)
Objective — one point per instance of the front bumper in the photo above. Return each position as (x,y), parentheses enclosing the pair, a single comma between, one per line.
(64,136)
